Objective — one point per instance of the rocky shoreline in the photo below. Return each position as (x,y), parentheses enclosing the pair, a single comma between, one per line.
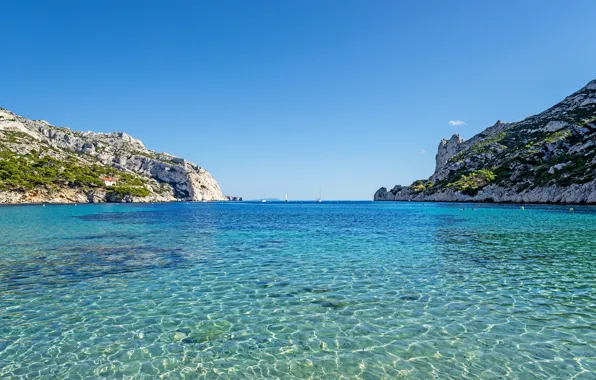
(99,196)
(69,196)
(42,163)
(575,194)
(548,158)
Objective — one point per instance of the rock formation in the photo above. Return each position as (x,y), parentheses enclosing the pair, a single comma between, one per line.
(40,162)
(448,149)
(545,158)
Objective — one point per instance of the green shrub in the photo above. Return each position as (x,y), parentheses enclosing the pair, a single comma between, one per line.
(26,172)
(472,183)
(502,173)
(122,191)
(417,186)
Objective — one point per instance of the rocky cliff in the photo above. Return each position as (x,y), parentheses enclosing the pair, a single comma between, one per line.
(545,158)
(40,162)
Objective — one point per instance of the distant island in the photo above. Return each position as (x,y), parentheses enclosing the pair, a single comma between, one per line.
(546,158)
(42,163)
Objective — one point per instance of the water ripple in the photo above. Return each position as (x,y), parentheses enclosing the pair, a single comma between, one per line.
(358,290)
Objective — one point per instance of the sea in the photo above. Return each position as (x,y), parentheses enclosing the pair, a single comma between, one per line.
(331,290)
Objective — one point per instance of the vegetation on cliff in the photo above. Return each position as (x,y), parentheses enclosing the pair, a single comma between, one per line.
(470,184)
(123,191)
(35,170)
(554,149)
(40,162)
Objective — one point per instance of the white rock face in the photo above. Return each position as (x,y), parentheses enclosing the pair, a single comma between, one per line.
(448,149)
(172,178)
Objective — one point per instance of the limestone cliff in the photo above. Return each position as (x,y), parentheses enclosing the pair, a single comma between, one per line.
(40,162)
(448,149)
(545,158)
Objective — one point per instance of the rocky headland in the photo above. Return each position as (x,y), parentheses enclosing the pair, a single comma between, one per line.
(40,163)
(546,158)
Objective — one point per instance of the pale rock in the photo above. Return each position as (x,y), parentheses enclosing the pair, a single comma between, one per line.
(553,126)
(557,167)
(448,149)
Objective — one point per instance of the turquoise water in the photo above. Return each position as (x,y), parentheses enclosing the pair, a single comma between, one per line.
(353,290)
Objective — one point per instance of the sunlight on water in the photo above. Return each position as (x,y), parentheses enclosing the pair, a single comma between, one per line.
(352,290)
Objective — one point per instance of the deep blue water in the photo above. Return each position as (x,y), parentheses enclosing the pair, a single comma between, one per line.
(354,290)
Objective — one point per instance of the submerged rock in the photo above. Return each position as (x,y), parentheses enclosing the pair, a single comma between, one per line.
(178,336)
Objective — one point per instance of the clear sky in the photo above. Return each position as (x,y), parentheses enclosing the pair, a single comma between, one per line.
(276,96)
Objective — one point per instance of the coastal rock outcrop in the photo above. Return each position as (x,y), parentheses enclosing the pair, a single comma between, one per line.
(546,158)
(448,149)
(40,162)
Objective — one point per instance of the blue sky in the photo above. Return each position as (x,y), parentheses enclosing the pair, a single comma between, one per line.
(276,96)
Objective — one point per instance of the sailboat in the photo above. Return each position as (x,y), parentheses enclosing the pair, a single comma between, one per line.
(264,200)
(287,197)
(320,198)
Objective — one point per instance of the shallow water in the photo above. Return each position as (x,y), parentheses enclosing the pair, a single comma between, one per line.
(354,290)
